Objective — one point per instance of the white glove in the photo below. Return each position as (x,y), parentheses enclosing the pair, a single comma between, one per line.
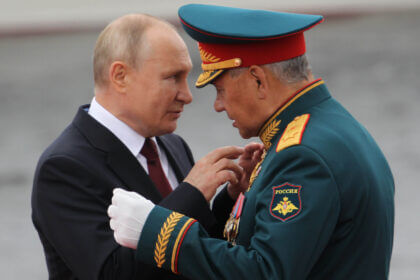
(128,213)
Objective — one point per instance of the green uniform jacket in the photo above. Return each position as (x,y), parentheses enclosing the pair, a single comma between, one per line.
(321,206)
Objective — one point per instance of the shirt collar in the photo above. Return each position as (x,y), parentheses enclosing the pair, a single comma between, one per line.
(294,106)
(130,138)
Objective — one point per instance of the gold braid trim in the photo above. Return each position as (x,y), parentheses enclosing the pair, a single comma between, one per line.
(231,63)
(177,244)
(269,133)
(163,237)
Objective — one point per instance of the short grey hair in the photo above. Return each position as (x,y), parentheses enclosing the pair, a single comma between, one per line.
(123,40)
(288,71)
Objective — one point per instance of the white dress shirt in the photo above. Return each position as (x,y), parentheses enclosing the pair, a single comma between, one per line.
(131,139)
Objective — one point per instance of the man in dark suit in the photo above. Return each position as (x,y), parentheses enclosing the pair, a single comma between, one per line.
(124,139)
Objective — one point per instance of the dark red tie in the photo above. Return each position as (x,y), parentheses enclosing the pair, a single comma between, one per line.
(149,151)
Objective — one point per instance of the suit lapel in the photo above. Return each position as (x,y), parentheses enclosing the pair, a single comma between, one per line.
(129,170)
(119,159)
(172,152)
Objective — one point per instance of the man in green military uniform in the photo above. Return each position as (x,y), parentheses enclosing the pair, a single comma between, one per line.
(321,201)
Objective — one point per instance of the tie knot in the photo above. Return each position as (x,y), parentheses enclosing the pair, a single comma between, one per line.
(149,150)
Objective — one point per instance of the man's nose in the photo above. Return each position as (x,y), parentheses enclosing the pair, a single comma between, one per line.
(218,105)
(184,94)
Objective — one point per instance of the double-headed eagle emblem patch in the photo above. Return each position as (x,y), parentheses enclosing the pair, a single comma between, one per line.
(286,202)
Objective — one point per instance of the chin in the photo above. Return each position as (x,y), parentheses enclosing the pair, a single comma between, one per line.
(245,134)
(166,129)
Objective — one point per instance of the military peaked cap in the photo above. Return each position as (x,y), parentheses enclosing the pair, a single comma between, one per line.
(233,37)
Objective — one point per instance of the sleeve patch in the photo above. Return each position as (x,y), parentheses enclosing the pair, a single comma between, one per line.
(286,202)
(293,133)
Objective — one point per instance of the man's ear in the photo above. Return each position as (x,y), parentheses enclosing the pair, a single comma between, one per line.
(260,80)
(118,75)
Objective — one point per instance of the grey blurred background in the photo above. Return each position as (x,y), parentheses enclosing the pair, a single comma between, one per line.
(366,53)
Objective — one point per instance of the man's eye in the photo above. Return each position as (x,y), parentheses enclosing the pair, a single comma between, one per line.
(170,76)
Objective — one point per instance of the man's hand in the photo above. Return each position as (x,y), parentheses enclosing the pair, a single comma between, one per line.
(248,161)
(215,169)
(128,213)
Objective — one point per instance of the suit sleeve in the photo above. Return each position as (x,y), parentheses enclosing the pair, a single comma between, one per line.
(189,201)
(222,206)
(277,249)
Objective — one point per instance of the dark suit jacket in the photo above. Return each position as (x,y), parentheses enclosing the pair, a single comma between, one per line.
(72,190)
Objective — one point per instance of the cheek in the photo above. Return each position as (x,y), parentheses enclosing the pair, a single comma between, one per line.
(140,103)
(161,102)
(238,107)
(243,111)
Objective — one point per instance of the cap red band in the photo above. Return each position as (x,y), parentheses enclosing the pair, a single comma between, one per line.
(257,52)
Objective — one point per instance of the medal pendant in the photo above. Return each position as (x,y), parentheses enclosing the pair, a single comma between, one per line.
(232,224)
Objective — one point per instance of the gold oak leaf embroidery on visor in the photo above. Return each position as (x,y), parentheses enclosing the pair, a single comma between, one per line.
(208,57)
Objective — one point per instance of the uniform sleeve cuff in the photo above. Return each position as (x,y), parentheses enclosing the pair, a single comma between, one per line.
(161,238)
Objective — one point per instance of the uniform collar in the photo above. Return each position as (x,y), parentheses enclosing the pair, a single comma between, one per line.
(304,98)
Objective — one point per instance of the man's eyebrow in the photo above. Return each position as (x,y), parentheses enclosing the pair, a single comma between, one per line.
(172,71)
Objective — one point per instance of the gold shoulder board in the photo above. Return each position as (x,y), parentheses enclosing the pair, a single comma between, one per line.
(293,133)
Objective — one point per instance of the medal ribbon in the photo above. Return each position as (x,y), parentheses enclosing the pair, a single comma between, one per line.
(237,209)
